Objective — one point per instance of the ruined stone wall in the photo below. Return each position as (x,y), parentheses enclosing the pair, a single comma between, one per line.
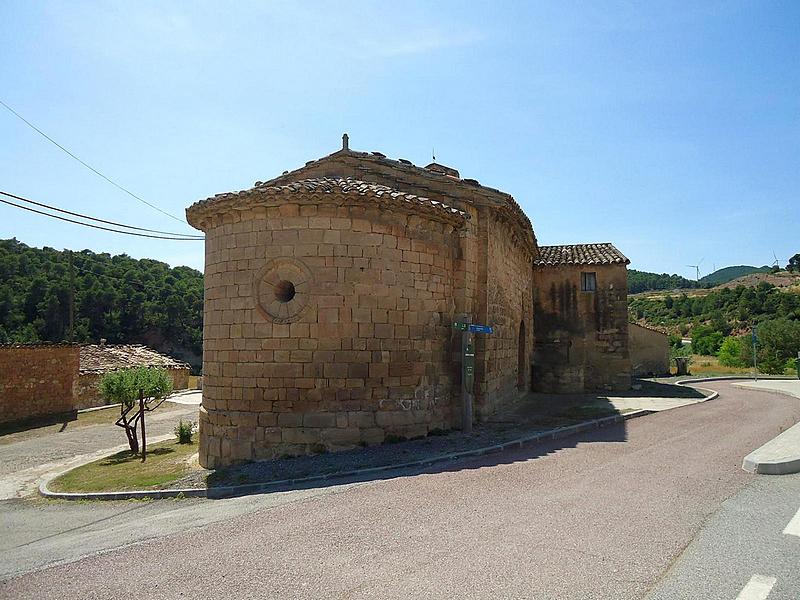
(506,305)
(37,381)
(581,337)
(360,350)
(649,350)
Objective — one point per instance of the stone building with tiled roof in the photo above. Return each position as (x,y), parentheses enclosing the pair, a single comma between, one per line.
(98,359)
(43,380)
(331,293)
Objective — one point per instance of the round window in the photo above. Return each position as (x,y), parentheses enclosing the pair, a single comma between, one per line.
(282,290)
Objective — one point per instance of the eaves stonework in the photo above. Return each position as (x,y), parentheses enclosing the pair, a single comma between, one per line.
(343,191)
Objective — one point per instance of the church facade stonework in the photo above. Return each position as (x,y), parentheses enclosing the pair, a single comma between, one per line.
(330,294)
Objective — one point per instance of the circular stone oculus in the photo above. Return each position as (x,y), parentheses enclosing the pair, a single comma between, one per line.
(282,290)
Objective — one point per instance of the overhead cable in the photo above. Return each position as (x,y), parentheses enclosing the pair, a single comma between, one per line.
(87,165)
(74,214)
(146,235)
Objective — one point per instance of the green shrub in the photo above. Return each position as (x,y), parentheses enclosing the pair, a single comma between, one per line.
(730,352)
(706,341)
(184,431)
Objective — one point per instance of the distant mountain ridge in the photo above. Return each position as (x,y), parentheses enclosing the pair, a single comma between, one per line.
(643,281)
(727,274)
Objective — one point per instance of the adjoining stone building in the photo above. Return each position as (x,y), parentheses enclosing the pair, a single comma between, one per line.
(98,359)
(330,294)
(650,351)
(41,380)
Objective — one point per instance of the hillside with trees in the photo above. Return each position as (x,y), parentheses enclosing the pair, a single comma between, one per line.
(118,298)
(727,274)
(642,281)
(720,322)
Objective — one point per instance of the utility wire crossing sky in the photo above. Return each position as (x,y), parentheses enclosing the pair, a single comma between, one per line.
(671,129)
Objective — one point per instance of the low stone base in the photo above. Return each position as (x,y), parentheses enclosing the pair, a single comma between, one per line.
(230,437)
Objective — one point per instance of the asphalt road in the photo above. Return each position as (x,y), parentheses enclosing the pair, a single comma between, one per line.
(24,463)
(747,538)
(606,514)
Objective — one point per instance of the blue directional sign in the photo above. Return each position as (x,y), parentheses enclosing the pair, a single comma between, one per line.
(481,329)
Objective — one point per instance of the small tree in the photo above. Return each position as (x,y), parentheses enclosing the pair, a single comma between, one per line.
(794,263)
(148,386)
(730,352)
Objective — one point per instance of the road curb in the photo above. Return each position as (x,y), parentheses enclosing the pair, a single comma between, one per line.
(251,488)
(756,462)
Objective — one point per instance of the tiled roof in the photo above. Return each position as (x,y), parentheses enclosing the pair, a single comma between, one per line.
(649,327)
(99,358)
(580,254)
(325,185)
(348,185)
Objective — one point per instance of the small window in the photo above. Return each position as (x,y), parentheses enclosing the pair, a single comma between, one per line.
(588,282)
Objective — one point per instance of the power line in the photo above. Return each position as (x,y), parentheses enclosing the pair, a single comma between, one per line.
(40,212)
(87,165)
(74,214)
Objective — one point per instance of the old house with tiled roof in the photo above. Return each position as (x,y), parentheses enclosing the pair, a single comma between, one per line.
(99,359)
(330,297)
(42,380)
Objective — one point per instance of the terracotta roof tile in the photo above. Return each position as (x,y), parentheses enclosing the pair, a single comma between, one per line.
(99,358)
(580,254)
(331,185)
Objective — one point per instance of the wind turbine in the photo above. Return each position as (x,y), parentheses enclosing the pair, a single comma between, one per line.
(697,269)
(776,263)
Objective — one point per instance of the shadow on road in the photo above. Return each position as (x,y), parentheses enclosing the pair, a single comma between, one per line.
(390,461)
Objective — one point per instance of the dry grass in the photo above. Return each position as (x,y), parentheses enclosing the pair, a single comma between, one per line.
(166,462)
(708,366)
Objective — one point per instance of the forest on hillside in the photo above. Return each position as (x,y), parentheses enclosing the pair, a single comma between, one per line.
(720,323)
(121,299)
(642,281)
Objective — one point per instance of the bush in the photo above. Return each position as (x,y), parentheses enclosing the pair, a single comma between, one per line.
(730,352)
(184,431)
(706,341)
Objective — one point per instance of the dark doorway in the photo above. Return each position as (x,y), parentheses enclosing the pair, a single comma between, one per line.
(521,357)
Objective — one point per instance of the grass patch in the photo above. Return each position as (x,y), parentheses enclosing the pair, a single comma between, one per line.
(708,366)
(166,462)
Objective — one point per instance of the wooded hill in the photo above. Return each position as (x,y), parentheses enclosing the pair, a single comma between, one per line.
(118,298)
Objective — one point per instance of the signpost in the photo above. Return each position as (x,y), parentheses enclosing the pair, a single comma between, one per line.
(468,331)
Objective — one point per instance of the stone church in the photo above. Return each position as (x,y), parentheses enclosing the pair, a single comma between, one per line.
(330,297)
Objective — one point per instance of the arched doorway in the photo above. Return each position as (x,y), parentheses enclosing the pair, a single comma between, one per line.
(521,357)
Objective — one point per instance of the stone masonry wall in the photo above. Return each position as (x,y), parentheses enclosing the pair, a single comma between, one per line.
(87,387)
(506,306)
(359,350)
(37,381)
(581,337)
(649,350)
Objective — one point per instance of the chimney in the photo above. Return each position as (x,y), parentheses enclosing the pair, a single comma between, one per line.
(102,341)
(345,142)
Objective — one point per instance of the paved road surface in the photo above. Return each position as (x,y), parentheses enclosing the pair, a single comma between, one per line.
(750,536)
(24,463)
(600,515)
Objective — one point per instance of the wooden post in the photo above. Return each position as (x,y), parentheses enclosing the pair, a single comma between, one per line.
(144,438)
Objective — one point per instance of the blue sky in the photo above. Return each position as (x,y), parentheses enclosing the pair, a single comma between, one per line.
(672,130)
